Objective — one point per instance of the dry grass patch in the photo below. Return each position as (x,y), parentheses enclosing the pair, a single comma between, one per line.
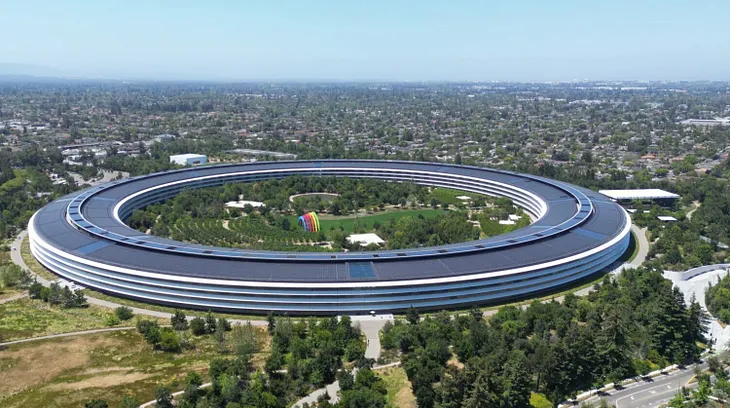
(33,264)
(400,392)
(102,381)
(27,366)
(66,372)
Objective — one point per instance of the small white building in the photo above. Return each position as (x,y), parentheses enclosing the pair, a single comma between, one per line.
(243,203)
(189,159)
(365,239)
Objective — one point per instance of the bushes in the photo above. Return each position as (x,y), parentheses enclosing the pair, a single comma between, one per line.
(718,299)
(162,338)
(111,319)
(55,295)
(123,313)
(169,340)
(197,326)
(179,321)
(12,276)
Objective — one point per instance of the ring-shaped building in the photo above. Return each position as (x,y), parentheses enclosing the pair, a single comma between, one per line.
(576,233)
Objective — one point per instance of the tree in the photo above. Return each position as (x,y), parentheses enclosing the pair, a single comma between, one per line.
(179,321)
(516,391)
(412,315)
(169,340)
(35,290)
(163,396)
(220,336)
(96,403)
(271,323)
(123,313)
(129,402)
(210,322)
(197,326)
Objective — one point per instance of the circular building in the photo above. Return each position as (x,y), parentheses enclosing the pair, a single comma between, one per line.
(576,232)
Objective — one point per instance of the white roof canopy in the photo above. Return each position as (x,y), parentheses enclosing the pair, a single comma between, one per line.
(639,194)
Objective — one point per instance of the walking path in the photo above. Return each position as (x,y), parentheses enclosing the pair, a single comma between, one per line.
(370,326)
(174,395)
(16,257)
(14,297)
(77,333)
(695,287)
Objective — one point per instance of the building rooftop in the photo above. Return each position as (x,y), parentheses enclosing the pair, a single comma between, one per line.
(639,194)
(365,239)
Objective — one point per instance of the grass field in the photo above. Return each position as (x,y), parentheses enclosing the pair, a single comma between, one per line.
(67,372)
(396,381)
(448,196)
(159,308)
(24,318)
(33,264)
(367,221)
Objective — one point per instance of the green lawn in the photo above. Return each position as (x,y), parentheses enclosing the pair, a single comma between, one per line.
(448,196)
(366,221)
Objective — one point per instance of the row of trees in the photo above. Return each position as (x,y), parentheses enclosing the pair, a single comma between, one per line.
(627,326)
(57,295)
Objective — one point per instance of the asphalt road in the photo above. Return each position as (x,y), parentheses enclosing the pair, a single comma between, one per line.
(650,393)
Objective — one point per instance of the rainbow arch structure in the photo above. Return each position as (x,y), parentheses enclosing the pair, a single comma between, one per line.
(309,221)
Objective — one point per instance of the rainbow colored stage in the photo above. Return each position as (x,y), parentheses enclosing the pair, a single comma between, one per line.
(309,221)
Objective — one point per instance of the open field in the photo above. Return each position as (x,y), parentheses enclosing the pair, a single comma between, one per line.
(24,318)
(366,222)
(67,372)
(448,196)
(400,394)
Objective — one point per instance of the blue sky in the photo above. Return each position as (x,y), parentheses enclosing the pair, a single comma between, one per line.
(486,40)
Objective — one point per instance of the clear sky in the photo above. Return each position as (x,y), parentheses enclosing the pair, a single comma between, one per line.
(485,40)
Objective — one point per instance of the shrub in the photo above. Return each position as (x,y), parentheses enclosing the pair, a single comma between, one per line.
(111,320)
(124,313)
(169,340)
(197,326)
(179,321)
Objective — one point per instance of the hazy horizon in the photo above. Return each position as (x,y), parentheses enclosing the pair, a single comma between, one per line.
(394,41)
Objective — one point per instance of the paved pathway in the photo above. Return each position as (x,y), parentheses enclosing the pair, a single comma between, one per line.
(70,334)
(18,260)
(615,269)
(696,287)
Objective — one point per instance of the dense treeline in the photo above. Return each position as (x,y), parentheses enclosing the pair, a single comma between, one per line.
(410,232)
(627,326)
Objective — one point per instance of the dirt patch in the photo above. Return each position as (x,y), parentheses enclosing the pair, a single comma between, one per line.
(454,362)
(36,363)
(101,381)
(405,398)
